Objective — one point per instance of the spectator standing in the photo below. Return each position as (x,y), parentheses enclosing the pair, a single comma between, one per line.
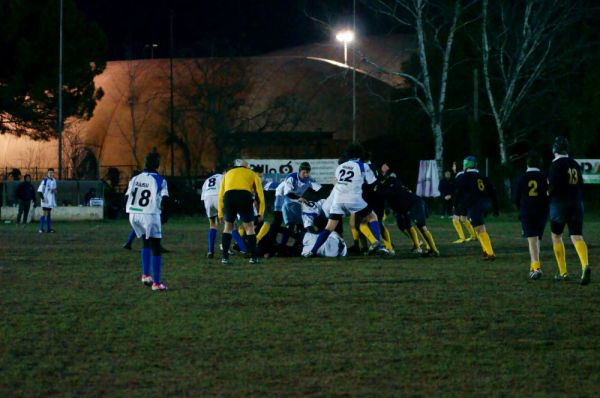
(446,187)
(25,195)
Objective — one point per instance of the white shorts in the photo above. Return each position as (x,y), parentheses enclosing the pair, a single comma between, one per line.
(211,204)
(347,208)
(146,224)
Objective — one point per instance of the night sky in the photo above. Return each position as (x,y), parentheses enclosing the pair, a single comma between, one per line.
(212,28)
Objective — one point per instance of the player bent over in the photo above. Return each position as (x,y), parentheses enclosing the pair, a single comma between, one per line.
(566,207)
(146,197)
(210,197)
(531,198)
(236,198)
(479,197)
(347,199)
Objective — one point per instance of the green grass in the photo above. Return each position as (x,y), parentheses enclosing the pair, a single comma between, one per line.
(76,321)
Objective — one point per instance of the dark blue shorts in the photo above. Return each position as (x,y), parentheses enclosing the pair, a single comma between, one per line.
(533,225)
(568,213)
(460,210)
(477,212)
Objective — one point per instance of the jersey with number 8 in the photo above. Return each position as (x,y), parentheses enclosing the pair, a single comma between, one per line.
(145,192)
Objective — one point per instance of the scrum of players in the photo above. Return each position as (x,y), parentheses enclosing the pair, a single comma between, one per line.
(361,192)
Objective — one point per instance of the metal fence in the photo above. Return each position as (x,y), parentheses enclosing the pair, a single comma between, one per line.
(69,193)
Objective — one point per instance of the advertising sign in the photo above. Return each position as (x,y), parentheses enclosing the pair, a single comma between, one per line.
(590,169)
(322,170)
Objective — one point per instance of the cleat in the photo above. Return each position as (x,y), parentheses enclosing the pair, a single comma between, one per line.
(586,276)
(163,250)
(210,255)
(147,280)
(488,257)
(159,287)
(535,274)
(309,254)
(431,253)
(416,250)
(562,278)
(127,246)
(470,239)
(253,260)
(40,231)
(459,241)
(224,261)
(52,231)
(378,249)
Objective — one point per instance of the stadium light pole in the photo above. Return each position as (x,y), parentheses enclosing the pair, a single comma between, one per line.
(59,124)
(347,36)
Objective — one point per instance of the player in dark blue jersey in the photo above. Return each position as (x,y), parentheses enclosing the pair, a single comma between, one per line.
(531,198)
(478,196)
(460,214)
(566,208)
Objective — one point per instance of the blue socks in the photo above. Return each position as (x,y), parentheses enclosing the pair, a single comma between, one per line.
(322,238)
(146,253)
(240,242)
(374,226)
(156,265)
(212,235)
(42,222)
(131,238)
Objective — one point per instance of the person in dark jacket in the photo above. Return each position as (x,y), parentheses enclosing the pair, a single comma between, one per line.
(25,195)
(446,188)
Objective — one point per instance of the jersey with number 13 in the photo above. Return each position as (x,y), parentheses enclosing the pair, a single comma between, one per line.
(145,192)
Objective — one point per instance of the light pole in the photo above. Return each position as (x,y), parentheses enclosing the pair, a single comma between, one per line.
(347,36)
(152,46)
(59,126)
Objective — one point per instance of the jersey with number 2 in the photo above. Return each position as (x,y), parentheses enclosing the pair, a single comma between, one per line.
(145,192)
(350,177)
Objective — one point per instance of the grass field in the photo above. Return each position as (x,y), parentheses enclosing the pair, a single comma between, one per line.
(76,321)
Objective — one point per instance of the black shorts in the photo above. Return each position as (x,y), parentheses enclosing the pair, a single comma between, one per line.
(238,202)
(418,213)
(533,225)
(403,221)
(568,213)
(47,208)
(477,212)
(460,210)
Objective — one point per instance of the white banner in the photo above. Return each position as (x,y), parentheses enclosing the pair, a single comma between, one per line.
(322,170)
(428,181)
(590,168)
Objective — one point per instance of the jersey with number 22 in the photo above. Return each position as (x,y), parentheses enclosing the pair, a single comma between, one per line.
(145,192)
(350,176)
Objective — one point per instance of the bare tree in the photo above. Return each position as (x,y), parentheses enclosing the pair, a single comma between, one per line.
(140,103)
(435,23)
(519,47)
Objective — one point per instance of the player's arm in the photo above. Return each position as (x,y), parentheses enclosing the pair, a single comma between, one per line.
(220,200)
(288,188)
(165,203)
(260,195)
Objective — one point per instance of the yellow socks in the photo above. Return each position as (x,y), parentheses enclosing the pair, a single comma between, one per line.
(242,231)
(582,252)
(366,231)
(486,243)
(263,231)
(458,228)
(559,253)
(430,241)
(412,232)
(535,265)
(469,228)
(386,238)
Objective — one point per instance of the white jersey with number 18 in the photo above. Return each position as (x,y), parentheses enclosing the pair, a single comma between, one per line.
(145,192)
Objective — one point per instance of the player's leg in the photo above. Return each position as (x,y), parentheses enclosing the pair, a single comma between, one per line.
(130,239)
(557,226)
(576,230)
(469,227)
(386,237)
(263,231)
(251,239)
(212,236)
(458,228)
(226,240)
(157,284)
(332,223)
(49,221)
(20,212)
(433,250)
(43,219)
(146,256)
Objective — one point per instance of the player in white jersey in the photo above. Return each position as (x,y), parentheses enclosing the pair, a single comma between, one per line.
(210,197)
(146,197)
(47,193)
(347,198)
